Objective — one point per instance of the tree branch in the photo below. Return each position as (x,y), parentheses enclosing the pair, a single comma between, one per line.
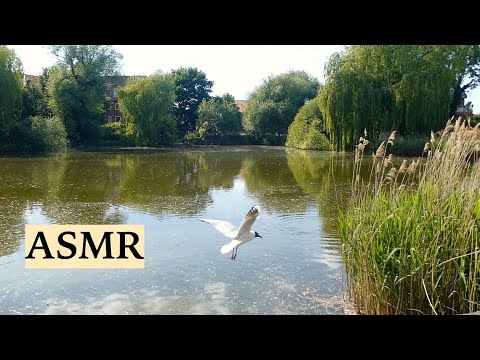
(468,85)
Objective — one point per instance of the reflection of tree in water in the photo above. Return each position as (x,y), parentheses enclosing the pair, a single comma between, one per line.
(80,188)
(24,182)
(11,225)
(176,182)
(325,176)
(88,187)
(268,177)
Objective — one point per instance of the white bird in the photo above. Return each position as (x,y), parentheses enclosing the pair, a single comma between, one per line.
(240,236)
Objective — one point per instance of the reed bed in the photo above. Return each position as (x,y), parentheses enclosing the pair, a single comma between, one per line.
(411,235)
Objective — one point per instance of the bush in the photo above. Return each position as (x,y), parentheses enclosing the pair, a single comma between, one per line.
(315,140)
(191,137)
(410,145)
(119,133)
(475,120)
(412,232)
(37,134)
(305,132)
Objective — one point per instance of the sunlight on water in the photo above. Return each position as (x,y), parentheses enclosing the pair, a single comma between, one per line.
(295,269)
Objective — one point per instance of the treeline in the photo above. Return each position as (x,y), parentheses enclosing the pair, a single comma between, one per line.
(412,89)
(68,105)
(408,88)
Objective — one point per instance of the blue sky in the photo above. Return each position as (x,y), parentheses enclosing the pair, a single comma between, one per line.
(236,69)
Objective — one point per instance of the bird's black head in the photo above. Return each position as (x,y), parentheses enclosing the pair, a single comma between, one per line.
(257,235)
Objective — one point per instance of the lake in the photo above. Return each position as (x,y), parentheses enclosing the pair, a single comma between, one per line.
(295,269)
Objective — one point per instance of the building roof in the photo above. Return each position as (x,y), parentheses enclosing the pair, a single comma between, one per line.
(241,105)
(119,81)
(30,79)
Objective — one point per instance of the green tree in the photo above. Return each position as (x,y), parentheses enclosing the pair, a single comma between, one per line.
(307,129)
(10,89)
(219,115)
(191,88)
(35,102)
(407,88)
(272,106)
(467,76)
(77,89)
(148,106)
(43,79)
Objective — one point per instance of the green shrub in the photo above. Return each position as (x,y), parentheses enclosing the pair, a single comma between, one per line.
(410,145)
(191,137)
(305,132)
(38,134)
(119,132)
(315,139)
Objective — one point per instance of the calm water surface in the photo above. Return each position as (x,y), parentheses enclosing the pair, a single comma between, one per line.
(295,269)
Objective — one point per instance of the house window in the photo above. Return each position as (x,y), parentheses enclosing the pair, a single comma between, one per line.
(118,118)
(117,107)
(115,93)
(109,118)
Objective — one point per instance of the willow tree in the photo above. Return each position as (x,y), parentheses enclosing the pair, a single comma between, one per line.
(10,88)
(147,104)
(408,88)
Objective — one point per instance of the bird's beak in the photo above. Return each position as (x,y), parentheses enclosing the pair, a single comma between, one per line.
(260,236)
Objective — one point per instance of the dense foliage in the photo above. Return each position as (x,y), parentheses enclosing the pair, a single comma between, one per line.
(219,116)
(77,89)
(273,105)
(38,135)
(307,129)
(191,88)
(147,105)
(384,87)
(10,89)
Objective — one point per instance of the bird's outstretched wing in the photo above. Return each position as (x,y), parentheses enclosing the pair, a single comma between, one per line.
(226,228)
(229,247)
(249,220)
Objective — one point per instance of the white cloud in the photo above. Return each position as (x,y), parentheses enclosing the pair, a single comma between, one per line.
(143,302)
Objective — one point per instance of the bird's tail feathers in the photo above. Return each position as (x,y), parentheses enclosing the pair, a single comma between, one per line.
(229,247)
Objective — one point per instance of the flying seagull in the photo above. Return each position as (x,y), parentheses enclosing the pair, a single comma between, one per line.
(240,236)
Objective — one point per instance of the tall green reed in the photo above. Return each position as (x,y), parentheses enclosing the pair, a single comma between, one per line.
(411,235)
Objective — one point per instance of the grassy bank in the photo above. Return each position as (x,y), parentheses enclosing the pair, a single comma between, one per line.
(411,237)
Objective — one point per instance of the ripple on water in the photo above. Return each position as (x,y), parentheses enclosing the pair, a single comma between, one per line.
(295,269)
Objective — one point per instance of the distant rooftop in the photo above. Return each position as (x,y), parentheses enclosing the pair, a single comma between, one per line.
(241,105)
(30,79)
(116,81)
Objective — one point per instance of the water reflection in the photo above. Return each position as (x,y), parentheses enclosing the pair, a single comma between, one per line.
(299,193)
(145,302)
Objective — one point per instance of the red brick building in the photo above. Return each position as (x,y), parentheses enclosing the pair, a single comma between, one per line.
(241,105)
(29,80)
(113,84)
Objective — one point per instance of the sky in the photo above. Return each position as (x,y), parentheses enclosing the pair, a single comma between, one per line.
(236,69)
